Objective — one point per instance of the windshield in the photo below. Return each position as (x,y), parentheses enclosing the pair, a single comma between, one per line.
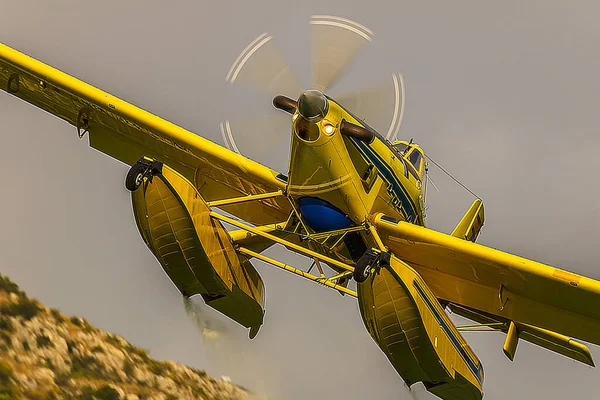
(415,159)
(401,147)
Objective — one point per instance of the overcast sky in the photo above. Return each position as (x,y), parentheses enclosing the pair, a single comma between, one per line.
(504,94)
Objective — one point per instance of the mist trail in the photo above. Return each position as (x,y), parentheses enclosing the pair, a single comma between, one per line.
(230,352)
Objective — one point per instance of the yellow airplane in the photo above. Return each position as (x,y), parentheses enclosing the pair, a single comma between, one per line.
(352,201)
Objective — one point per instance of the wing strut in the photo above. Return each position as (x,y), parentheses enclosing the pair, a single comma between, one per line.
(295,247)
(329,282)
(243,199)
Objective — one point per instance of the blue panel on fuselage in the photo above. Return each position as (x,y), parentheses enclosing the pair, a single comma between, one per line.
(321,215)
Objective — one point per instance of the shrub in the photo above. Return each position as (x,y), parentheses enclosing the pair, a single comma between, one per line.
(24,308)
(157,367)
(70,346)
(128,367)
(36,394)
(7,388)
(87,327)
(43,341)
(57,315)
(112,339)
(200,373)
(6,373)
(62,379)
(9,286)
(107,393)
(87,393)
(199,391)
(26,346)
(97,349)
(7,393)
(52,395)
(142,353)
(5,324)
(76,321)
(85,366)
(48,363)
(6,339)
(145,393)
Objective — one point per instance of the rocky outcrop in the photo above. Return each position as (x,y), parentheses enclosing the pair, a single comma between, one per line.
(45,355)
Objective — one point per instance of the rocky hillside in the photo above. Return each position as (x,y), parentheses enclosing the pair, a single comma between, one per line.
(45,355)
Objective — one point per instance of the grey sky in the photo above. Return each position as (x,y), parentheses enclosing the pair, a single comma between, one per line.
(503,94)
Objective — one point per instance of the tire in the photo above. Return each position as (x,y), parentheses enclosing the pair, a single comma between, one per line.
(135,176)
(362,270)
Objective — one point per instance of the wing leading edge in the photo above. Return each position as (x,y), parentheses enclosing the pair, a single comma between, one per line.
(497,283)
(127,132)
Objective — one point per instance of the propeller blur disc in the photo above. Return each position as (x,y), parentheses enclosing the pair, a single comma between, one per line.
(262,66)
(262,138)
(380,106)
(335,43)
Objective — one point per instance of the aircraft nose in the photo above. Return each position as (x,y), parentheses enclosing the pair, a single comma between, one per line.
(313,105)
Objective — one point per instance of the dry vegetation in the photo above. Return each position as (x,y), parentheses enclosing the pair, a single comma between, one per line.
(45,355)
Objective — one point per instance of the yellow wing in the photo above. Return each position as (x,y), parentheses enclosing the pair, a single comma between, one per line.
(497,283)
(127,132)
(547,339)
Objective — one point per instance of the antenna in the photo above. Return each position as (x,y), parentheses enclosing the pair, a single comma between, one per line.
(453,178)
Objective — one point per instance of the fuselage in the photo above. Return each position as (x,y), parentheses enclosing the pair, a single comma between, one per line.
(338,181)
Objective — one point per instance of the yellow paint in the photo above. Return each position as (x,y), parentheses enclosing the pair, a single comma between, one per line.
(367,181)
(469,226)
(237,200)
(472,275)
(127,132)
(194,250)
(411,328)
(288,244)
(286,267)
(512,339)
(333,167)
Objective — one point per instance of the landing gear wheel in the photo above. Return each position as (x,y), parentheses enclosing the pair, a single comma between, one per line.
(367,262)
(144,167)
(135,176)
(362,270)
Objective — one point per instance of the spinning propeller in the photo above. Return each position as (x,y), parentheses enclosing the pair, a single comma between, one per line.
(335,44)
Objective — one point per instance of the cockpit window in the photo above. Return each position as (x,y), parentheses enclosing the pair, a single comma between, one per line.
(401,147)
(415,159)
(412,156)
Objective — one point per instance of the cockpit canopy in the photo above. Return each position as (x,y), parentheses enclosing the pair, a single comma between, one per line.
(412,153)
